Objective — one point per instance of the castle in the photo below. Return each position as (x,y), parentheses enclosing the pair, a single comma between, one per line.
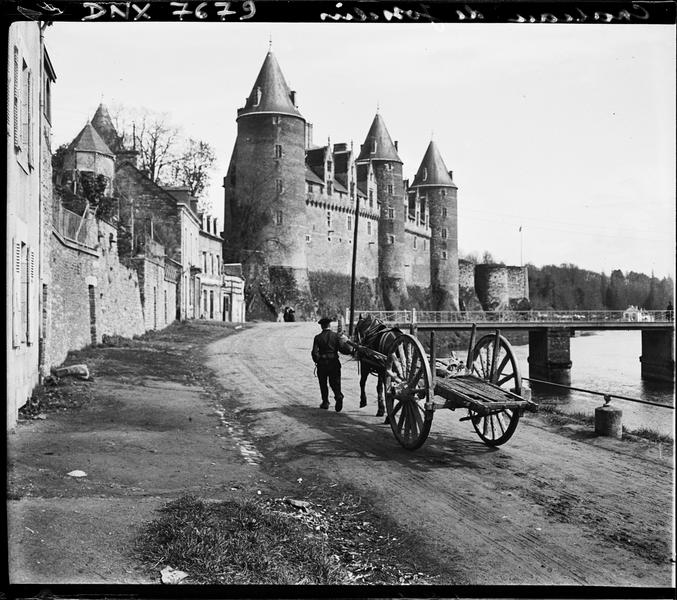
(291,207)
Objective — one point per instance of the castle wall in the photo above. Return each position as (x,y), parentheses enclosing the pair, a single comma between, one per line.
(333,251)
(518,283)
(417,258)
(491,285)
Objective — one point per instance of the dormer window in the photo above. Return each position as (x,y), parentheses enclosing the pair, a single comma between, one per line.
(329,165)
(425,174)
(373,147)
(330,188)
(257,99)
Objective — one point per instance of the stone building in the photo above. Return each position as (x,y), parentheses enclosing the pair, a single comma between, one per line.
(300,202)
(30,76)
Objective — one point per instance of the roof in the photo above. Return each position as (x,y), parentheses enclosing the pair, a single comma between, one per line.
(312,177)
(378,134)
(103,124)
(339,187)
(88,140)
(270,93)
(433,171)
(315,156)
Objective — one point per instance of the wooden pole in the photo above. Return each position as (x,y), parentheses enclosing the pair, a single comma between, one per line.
(494,358)
(471,344)
(352,271)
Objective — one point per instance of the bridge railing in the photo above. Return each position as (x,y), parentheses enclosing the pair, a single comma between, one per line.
(513,316)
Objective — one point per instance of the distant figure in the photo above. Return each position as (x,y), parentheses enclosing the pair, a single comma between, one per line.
(326,347)
(289,315)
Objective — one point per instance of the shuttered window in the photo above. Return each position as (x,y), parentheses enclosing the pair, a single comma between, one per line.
(16,103)
(16,294)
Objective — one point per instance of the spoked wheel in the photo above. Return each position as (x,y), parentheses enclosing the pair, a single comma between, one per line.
(407,388)
(497,427)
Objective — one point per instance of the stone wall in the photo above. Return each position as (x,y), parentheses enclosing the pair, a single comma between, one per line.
(518,287)
(92,294)
(468,299)
(416,258)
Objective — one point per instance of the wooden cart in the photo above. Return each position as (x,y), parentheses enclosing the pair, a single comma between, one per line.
(488,386)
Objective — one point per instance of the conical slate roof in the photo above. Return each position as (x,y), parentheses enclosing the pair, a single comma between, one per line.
(385,149)
(433,171)
(270,93)
(103,124)
(88,140)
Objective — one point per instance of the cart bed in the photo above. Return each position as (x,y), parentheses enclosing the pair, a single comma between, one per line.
(468,391)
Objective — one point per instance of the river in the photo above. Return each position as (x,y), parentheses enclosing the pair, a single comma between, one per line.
(608,361)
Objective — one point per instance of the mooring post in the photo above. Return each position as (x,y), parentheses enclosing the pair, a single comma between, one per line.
(608,420)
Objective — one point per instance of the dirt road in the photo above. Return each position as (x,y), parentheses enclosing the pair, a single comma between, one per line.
(552,506)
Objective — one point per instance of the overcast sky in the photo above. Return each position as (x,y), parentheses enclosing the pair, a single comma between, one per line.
(566,130)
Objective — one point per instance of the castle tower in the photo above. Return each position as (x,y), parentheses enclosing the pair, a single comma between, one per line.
(88,153)
(436,192)
(265,220)
(379,151)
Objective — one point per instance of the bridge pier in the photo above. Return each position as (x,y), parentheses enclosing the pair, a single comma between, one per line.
(549,355)
(658,355)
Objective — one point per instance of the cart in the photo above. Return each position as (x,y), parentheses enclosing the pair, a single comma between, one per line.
(488,386)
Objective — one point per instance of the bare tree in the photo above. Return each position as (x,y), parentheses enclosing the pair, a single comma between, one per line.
(167,156)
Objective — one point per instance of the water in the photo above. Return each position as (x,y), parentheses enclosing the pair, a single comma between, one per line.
(608,362)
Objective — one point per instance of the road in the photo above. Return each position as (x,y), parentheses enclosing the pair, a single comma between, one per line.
(555,505)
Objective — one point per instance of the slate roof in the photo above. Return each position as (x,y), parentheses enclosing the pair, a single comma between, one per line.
(312,177)
(103,124)
(385,149)
(88,140)
(270,93)
(433,171)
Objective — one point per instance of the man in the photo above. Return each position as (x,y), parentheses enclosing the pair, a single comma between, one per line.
(326,346)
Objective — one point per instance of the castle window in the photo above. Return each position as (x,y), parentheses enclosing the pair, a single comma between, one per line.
(278,218)
(390,188)
(307,238)
(330,188)
(425,244)
(391,212)
(329,165)
(278,186)
(425,174)
(371,198)
(444,255)
(414,242)
(257,100)
(373,147)
(368,227)
(391,239)
(352,189)
(328,219)
(278,150)
(349,223)
(444,193)
(444,210)
(444,233)
(276,120)
(310,187)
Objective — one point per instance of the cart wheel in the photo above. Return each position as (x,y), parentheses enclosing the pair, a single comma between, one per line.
(407,387)
(496,428)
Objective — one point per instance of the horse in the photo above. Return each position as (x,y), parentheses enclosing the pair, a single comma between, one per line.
(374,335)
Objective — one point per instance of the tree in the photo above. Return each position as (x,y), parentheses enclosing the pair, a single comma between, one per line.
(193,167)
(164,153)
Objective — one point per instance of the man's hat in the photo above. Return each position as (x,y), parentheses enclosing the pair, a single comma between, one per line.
(324,321)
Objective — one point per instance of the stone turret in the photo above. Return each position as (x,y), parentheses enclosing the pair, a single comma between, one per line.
(380,151)
(265,183)
(437,193)
(88,153)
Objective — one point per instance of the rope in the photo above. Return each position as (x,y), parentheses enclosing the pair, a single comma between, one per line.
(607,396)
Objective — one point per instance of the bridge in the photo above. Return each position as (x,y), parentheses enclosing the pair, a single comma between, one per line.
(550,331)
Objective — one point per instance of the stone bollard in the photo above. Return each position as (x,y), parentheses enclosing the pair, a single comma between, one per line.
(608,420)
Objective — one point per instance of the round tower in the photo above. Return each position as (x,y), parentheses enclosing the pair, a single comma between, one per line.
(265,184)
(436,190)
(379,150)
(88,153)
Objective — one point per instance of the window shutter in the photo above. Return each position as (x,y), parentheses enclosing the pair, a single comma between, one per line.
(29,116)
(16,295)
(30,277)
(17,104)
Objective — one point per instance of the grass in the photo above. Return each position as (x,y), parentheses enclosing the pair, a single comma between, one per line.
(236,543)
(270,542)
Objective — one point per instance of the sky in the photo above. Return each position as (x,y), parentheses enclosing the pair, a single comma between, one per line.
(567,131)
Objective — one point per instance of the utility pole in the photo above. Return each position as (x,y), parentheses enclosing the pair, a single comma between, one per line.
(352,272)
